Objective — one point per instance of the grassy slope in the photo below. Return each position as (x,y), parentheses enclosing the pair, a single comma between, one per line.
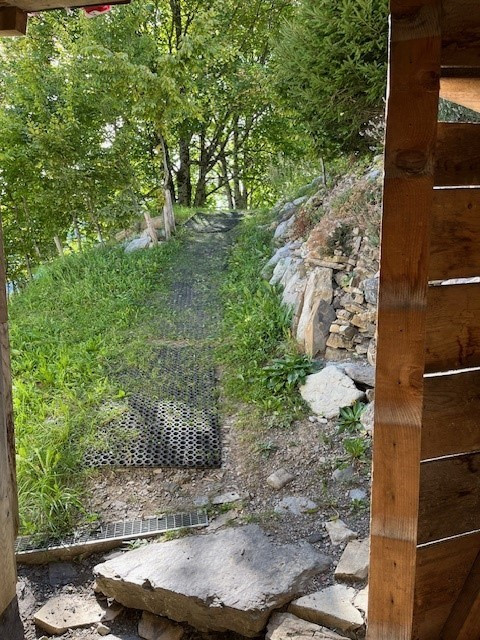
(66,327)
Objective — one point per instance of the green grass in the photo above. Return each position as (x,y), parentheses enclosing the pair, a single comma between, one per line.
(256,328)
(67,327)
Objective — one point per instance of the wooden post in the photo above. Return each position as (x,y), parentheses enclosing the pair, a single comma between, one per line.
(10,625)
(412,107)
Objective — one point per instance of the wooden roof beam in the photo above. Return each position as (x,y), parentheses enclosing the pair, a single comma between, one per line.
(463,91)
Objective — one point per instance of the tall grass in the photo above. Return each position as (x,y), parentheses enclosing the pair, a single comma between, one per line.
(67,326)
(256,328)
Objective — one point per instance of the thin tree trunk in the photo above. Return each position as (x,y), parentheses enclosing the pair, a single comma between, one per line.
(168,214)
(324,172)
(226,180)
(78,235)
(151,229)
(29,266)
(58,244)
(96,223)
(184,179)
(201,187)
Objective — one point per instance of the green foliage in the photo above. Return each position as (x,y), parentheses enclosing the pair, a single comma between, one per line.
(331,69)
(67,327)
(257,328)
(350,418)
(287,373)
(265,448)
(356,448)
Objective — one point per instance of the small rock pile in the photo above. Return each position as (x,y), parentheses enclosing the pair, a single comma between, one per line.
(329,272)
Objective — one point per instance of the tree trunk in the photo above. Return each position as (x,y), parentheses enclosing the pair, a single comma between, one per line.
(226,181)
(58,244)
(151,229)
(78,235)
(201,188)
(184,179)
(29,266)
(168,214)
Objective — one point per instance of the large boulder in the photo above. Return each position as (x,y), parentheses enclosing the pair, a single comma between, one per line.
(317,328)
(226,581)
(143,242)
(327,391)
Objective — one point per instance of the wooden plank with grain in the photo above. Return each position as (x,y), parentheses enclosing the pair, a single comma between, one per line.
(449,497)
(453,327)
(460,33)
(451,410)
(442,569)
(464,620)
(412,107)
(457,156)
(455,236)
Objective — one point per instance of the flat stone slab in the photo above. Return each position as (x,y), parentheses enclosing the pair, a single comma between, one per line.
(338,532)
(229,580)
(354,562)
(73,611)
(331,607)
(152,627)
(285,626)
(294,505)
(327,391)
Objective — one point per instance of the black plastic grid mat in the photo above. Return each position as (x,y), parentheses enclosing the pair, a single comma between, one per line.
(177,423)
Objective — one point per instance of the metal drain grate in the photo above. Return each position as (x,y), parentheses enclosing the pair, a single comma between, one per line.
(34,548)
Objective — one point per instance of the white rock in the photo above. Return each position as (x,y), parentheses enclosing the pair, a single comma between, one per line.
(138,243)
(279,478)
(103,630)
(152,627)
(295,505)
(331,607)
(283,228)
(293,295)
(367,418)
(362,373)
(299,201)
(327,391)
(357,494)
(339,532)
(72,611)
(361,600)
(319,287)
(231,580)
(280,269)
(285,626)
(354,562)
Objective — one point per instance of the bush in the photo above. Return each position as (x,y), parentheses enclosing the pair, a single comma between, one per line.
(331,68)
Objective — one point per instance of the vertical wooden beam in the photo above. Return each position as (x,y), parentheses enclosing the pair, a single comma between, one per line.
(10,626)
(412,108)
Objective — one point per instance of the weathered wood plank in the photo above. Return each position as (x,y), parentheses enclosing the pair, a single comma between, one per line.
(13,22)
(449,497)
(460,33)
(409,161)
(464,620)
(455,241)
(463,91)
(442,569)
(453,327)
(451,411)
(458,154)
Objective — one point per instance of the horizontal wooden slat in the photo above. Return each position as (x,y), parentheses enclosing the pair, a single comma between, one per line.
(13,22)
(460,33)
(463,91)
(455,236)
(442,569)
(453,327)
(457,160)
(451,414)
(449,497)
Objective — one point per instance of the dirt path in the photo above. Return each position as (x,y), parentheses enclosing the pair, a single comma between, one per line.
(177,392)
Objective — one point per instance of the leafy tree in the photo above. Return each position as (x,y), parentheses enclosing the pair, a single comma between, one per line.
(331,68)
